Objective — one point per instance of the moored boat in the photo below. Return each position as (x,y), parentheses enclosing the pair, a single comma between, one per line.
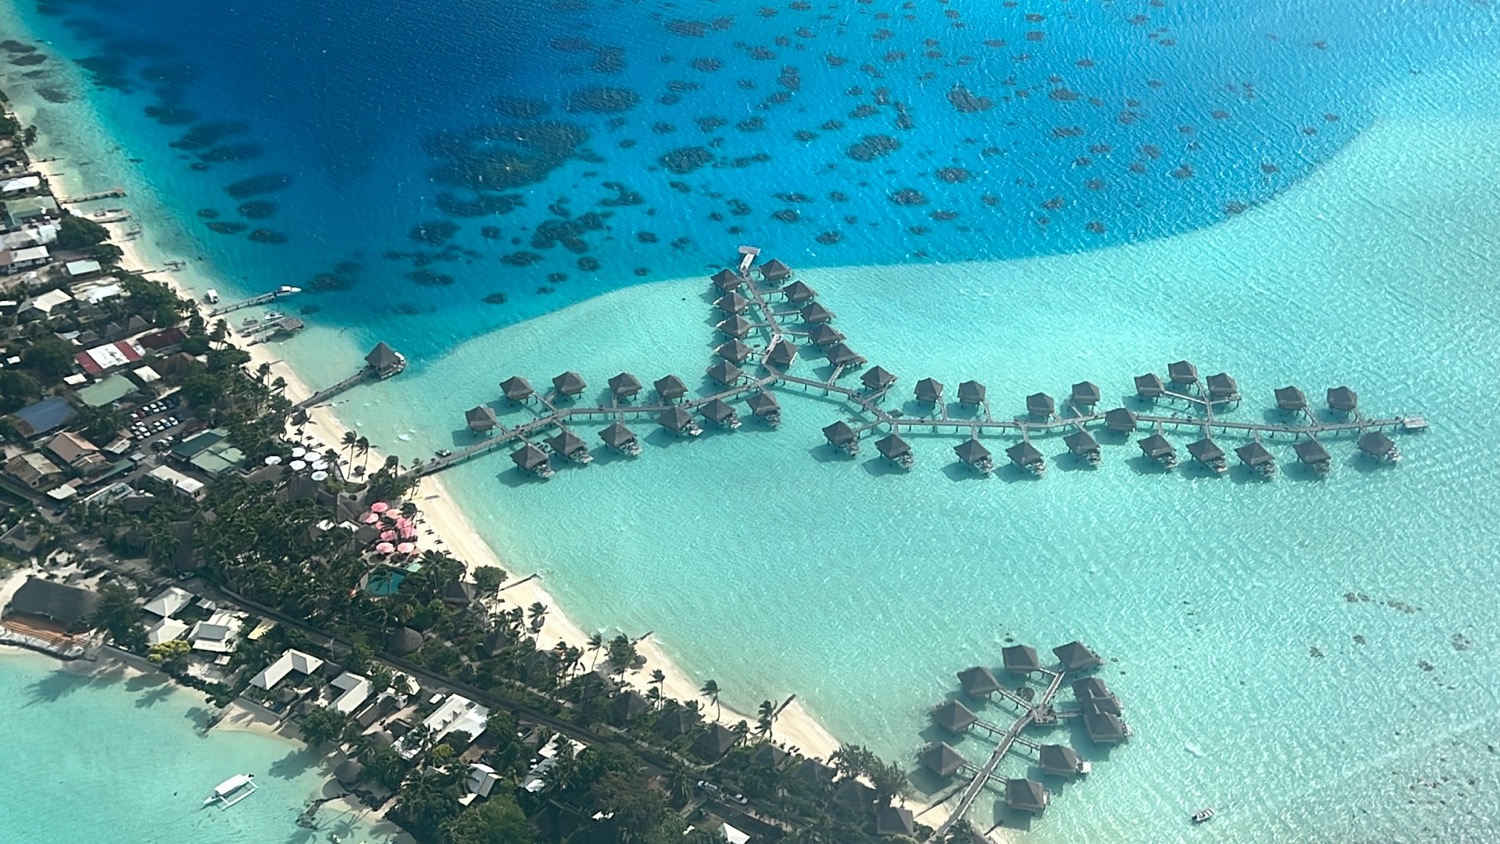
(1202,815)
(231,791)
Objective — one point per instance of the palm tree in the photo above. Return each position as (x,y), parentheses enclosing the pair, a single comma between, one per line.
(538,614)
(350,441)
(767,715)
(657,679)
(596,644)
(711,691)
(362,446)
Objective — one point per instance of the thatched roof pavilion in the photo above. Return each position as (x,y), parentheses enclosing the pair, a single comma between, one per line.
(841,355)
(1058,759)
(1020,659)
(953,716)
(892,447)
(735,326)
(1121,420)
(972,452)
(727,280)
(569,383)
(1041,404)
(1026,795)
(1156,447)
(1223,387)
(1311,452)
(717,411)
(516,388)
(680,721)
(624,385)
(732,303)
(1085,394)
(1104,728)
(824,335)
(1342,400)
(840,434)
(929,390)
(1377,444)
(815,314)
(1081,443)
(1290,398)
(762,403)
(1025,455)
(529,458)
(1255,455)
(814,774)
(798,292)
(735,350)
(481,418)
(941,759)
(1076,656)
(782,353)
(675,419)
(403,641)
(1182,372)
(978,682)
(566,443)
(670,388)
(617,435)
(894,821)
(725,373)
(1206,451)
(715,742)
(1149,386)
(971,393)
(877,378)
(774,270)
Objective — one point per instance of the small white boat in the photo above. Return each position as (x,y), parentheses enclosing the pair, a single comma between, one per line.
(231,791)
(1202,815)
(211,296)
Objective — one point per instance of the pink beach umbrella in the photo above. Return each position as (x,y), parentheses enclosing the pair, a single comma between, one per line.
(384,548)
(369,518)
(379,507)
(405,548)
(408,532)
(387,535)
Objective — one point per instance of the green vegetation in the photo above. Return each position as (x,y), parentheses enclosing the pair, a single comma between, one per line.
(79,233)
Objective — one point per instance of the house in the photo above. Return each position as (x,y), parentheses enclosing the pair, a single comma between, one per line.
(106,392)
(457,714)
(45,303)
(19,211)
(182,484)
(169,601)
(165,630)
(76,451)
(29,236)
(67,606)
(20,185)
(480,781)
(34,470)
(216,635)
(733,835)
(86,268)
(291,660)
(98,360)
(13,261)
(162,342)
(353,690)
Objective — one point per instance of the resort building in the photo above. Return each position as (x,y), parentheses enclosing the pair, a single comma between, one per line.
(348,692)
(456,714)
(13,261)
(67,609)
(290,661)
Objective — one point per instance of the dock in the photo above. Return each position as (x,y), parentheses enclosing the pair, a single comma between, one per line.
(765,332)
(112,193)
(381,363)
(278,293)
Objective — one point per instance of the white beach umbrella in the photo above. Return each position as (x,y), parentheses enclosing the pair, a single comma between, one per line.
(298,465)
(273,459)
(320,476)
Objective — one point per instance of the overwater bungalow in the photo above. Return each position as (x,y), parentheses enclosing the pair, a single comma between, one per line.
(895,449)
(384,360)
(971,393)
(621,439)
(725,373)
(528,458)
(929,391)
(1314,455)
(1026,456)
(569,384)
(1040,406)
(679,421)
(1290,399)
(1149,386)
(782,353)
(624,386)
(1083,446)
(735,351)
(727,280)
(953,716)
(1379,446)
(895,822)
(732,303)
(1020,659)
(1026,795)
(876,379)
(815,314)
(842,437)
(1222,388)
(824,335)
(1104,728)
(735,326)
(1156,447)
(1121,420)
(1090,688)
(1060,760)
(841,355)
(720,413)
(773,270)
(670,388)
(516,389)
(481,419)
(1076,656)
(715,742)
(978,682)
(940,758)
(1085,395)
(797,293)
(1208,453)
(765,406)
(973,452)
(1342,400)
(1101,705)
(1182,373)
(570,446)
(1255,455)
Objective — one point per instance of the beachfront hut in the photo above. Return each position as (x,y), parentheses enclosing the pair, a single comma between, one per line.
(458,593)
(978,682)
(628,706)
(1255,455)
(815,314)
(765,406)
(1312,453)
(569,384)
(894,821)
(529,458)
(715,742)
(782,353)
(735,326)
(774,270)
(620,438)
(1040,405)
(824,335)
(854,794)
(624,386)
(1083,446)
(403,641)
(877,378)
(814,774)
(727,279)
(1342,400)
(973,452)
(70,607)
(1026,795)
(732,303)
(678,722)
(1207,452)
(1378,446)
(769,756)
(1104,728)
(797,292)
(1182,373)
(481,419)
(1149,386)
(719,413)
(841,436)
(734,351)
(678,421)
(841,355)
(1076,656)
(895,449)
(1020,659)
(516,388)
(670,388)
(940,758)
(929,391)
(1290,399)
(1026,456)
(725,373)
(1222,387)
(1085,394)
(971,393)
(1158,448)
(1121,420)
(1060,760)
(953,716)
(569,445)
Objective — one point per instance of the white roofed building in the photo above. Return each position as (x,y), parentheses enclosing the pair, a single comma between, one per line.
(169,601)
(291,660)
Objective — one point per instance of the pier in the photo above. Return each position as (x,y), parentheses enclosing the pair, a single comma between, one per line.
(381,363)
(278,293)
(112,193)
(763,324)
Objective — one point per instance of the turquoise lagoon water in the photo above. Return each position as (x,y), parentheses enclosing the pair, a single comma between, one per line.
(98,758)
(764,561)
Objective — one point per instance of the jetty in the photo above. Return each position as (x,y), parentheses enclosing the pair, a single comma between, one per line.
(772,317)
(280,292)
(112,193)
(381,363)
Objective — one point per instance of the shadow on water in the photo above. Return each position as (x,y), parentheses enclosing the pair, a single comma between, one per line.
(294,764)
(1070,462)
(957,470)
(1013,474)
(826,453)
(54,687)
(153,697)
(880,467)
